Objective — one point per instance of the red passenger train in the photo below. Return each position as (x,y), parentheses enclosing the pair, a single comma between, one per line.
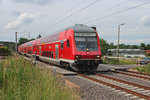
(76,47)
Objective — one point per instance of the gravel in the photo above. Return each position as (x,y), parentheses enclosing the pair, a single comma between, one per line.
(90,90)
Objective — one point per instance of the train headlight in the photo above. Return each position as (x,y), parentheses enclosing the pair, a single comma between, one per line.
(87,49)
(98,56)
(77,57)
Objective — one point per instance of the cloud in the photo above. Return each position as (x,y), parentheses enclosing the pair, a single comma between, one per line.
(144,22)
(16,13)
(0,2)
(39,2)
(23,19)
(141,0)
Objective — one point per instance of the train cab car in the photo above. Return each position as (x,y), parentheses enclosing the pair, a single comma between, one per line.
(87,51)
(76,47)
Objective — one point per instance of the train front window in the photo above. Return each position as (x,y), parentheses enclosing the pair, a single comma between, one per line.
(86,40)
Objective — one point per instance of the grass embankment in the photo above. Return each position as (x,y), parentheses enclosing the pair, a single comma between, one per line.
(120,62)
(144,69)
(19,80)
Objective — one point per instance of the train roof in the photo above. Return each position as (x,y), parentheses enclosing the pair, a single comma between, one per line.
(78,28)
(82,28)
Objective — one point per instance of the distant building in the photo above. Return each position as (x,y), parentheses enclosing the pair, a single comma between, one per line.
(1,45)
(127,52)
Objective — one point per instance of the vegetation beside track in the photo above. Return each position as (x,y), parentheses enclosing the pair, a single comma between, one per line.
(144,69)
(120,61)
(20,80)
(4,51)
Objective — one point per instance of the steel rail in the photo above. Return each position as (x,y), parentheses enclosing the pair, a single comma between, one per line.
(126,82)
(117,87)
(139,73)
(129,74)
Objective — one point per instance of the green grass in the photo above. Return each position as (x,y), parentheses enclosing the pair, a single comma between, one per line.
(19,80)
(145,69)
(120,62)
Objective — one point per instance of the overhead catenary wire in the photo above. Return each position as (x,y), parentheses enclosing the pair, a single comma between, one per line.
(115,6)
(77,4)
(102,17)
(78,11)
(106,16)
(83,9)
(57,18)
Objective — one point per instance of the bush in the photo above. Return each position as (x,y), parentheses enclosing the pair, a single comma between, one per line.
(120,62)
(145,69)
(4,51)
(19,80)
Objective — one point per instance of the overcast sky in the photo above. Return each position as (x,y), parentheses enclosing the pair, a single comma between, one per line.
(47,16)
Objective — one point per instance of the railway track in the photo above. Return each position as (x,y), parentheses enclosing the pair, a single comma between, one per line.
(139,73)
(135,74)
(128,87)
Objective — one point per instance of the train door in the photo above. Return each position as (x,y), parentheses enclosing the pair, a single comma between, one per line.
(40,50)
(56,51)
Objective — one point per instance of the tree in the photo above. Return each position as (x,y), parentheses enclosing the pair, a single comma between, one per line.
(10,45)
(32,39)
(122,46)
(147,47)
(104,46)
(111,46)
(142,46)
(133,47)
(23,40)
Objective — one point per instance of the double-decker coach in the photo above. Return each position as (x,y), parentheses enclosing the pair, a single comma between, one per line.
(76,47)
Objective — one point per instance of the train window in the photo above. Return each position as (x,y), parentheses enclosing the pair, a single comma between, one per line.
(37,47)
(86,42)
(49,54)
(68,43)
(52,54)
(85,34)
(42,53)
(62,44)
(45,53)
